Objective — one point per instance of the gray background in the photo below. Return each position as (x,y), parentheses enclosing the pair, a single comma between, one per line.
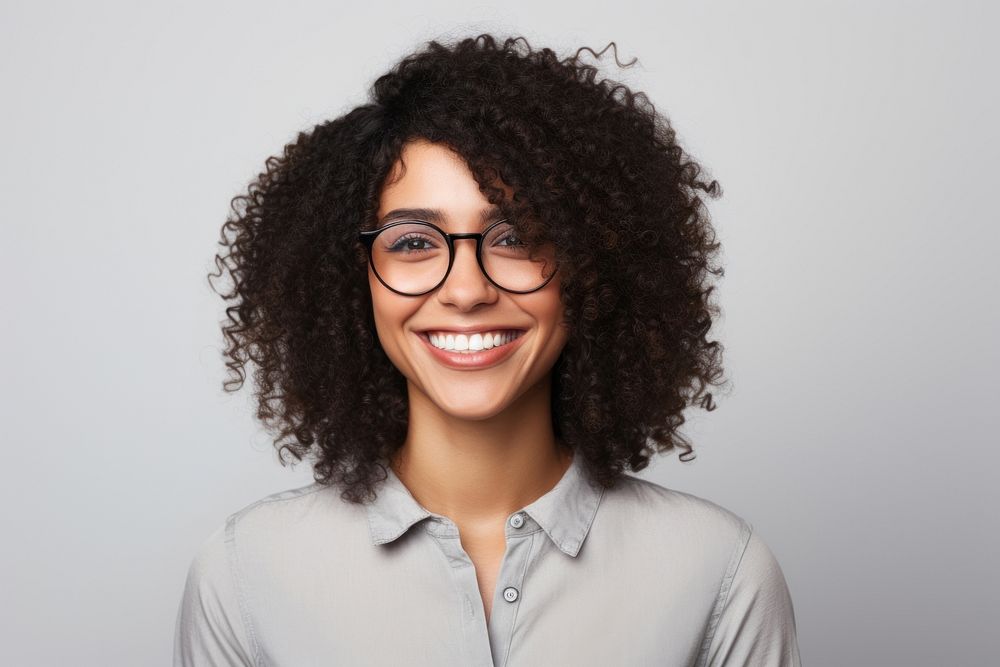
(857,147)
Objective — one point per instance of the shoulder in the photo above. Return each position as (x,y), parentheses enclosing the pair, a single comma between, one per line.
(281,505)
(213,624)
(272,520)
(661,511)
(709,546)
(269,515)
(664,510)
(702,541)
(288,516)
(267,536)
(693,550)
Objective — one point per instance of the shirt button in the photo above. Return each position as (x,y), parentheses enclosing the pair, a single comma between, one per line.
(510,594)
(517,520)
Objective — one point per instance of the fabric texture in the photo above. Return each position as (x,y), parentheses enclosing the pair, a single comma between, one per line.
(634,575)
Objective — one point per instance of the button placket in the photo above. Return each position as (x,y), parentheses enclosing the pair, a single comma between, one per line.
(509,591)
(477,647)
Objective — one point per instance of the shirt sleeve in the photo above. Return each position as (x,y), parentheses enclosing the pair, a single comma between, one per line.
(210,630)
(757,623)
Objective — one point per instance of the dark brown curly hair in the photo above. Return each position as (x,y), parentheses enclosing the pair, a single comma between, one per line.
(593,167)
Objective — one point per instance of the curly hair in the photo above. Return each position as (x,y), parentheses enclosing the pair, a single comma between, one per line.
(593,167)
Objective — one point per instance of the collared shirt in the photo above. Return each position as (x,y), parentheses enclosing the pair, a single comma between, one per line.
(638,574)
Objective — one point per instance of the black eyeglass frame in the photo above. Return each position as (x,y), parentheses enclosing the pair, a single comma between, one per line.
(368,239)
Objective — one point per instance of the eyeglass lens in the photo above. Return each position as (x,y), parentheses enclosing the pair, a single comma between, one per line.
(413,258)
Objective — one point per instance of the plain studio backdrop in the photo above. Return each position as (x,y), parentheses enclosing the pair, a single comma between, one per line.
(856,144)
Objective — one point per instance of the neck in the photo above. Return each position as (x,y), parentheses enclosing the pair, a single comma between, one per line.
(476,472)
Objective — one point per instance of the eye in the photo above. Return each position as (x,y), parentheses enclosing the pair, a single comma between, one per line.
(511,236)
(412,242)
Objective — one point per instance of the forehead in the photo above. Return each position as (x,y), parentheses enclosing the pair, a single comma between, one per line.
(436,184)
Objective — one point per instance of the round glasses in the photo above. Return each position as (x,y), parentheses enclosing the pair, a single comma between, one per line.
(413,258)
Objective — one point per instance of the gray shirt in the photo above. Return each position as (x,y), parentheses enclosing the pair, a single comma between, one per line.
(635,575)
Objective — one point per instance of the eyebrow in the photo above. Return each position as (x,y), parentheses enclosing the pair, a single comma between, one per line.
(436,216)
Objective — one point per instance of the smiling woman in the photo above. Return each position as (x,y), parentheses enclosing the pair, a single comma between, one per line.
(474,303)
(458,302)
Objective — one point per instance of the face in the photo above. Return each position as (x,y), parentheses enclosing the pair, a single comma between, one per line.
(483,384)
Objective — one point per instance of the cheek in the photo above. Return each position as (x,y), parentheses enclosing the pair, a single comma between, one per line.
(551,305)
(387,321)
(549,311)
(385,312)
(391,312)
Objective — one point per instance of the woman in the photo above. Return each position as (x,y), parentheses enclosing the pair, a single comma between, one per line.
(473,303)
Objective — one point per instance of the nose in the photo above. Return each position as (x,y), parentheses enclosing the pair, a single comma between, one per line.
(466,284)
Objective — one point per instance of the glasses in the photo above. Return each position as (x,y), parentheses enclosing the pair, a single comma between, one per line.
(412,257)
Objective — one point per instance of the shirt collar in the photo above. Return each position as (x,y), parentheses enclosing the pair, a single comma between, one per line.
(565,512)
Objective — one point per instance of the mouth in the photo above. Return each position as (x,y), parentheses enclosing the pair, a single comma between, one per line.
(473,350)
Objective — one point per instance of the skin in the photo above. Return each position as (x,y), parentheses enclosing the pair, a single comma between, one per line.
(480,443)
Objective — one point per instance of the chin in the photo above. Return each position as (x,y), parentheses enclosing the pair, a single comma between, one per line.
(471,411)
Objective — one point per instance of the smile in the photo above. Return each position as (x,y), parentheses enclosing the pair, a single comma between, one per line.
(472,342)
(471,351)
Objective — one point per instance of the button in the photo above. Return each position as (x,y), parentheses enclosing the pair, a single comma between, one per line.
(517,520)
(510,594)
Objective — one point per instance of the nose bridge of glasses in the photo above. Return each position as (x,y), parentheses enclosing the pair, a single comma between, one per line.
(473,238)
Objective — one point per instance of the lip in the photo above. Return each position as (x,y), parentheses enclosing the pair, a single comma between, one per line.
(475,360)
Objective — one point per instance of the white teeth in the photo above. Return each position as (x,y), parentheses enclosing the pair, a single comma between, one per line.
(475,342)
